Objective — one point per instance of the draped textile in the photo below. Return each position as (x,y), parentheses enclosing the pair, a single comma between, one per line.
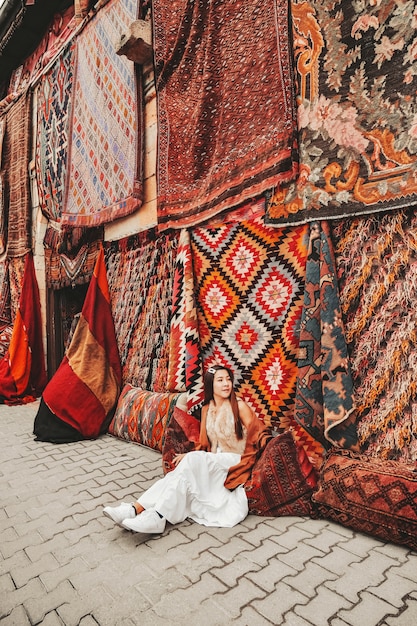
(22,369)
(377,266)
(16,165)
(70,255)
(140,274)
(225,102)
(185,372)
(84,390)
(250,280)
(324,402)
(357,112)
(54,101)
(59,31)
(105,153)
(3,208)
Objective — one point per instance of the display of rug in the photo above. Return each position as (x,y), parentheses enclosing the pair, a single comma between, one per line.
(377,267)
(16,158)
(16,275)
(357,111)
(105,153)
(140,274)
(70,255)
(225,100)
(250,281)
(324,402)
(54,100)
(3,208)
(79,400)
(59,31)
(22,369)
(185,370)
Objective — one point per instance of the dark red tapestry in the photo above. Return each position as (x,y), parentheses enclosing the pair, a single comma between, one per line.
(226,111)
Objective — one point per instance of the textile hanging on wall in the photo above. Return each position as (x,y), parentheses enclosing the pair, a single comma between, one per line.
(140,275)
(377,266)
(3,208)
(70,255)
(185,371)
(250,280)
(16,165)
(16,275)
(59,31)
(105,153)
(79,400)
(357,111)
(225,101)
(22,369)
(324,403)
(54,101)
(6,325)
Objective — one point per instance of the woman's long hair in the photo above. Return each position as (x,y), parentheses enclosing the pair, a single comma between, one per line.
(208,395)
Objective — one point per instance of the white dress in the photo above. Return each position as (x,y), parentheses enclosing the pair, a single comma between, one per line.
(195,488)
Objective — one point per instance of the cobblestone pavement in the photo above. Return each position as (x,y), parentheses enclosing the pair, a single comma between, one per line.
(63,562)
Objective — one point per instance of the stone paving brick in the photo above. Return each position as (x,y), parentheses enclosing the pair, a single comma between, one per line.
(236,598)
(298,556)
(17,617)
(322,607)
(264,553)
(51,579)
(275,605)
(337,560)
(21,576)
(231,572)
(408,614)
(359,576)
(270,575)
(394,588)
(370,610)
(309,578)
(13,599)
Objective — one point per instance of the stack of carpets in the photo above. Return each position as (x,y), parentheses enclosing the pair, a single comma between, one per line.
(377,267)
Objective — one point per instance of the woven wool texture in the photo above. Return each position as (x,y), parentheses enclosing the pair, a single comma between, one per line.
(54,96)
(356,85)
(324,394)
(140,274)
(226,108)
(17,155)
(250,280)
(105,155)
(377,267)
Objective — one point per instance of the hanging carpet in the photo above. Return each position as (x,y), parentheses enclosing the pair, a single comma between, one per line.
(225,105)
(17,155)
(185,370)
(250,280)
(324,403)
(54,101)
(377,266)
(140,274)
(105,153)
(22,369)
(357,110)
(79,400)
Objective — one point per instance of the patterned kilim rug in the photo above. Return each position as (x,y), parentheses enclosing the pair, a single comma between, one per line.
(105,152)
(250,281)
(226,108)
(17,156)
(140,274)
(377,265)
(185,371)
(357,80)
(324,404)
(54,98)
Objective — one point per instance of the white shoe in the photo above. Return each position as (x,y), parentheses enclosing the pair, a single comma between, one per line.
(125,510)
(148,522)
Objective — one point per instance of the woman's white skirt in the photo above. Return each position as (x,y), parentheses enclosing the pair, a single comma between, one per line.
(195,489)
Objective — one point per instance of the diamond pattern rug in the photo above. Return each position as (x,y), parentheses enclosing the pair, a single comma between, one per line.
(250,281)
(105,154)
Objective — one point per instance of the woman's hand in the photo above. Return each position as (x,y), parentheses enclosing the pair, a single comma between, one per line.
(177,458)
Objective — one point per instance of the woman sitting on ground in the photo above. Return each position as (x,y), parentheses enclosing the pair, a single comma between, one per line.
(196,488)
